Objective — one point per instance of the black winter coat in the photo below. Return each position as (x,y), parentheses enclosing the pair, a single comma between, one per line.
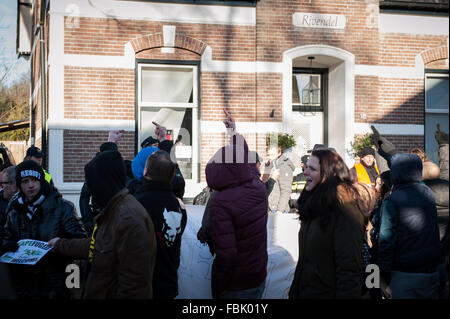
(169,219)
(55,217)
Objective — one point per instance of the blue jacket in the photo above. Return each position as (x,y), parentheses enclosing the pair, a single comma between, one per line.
(409,234)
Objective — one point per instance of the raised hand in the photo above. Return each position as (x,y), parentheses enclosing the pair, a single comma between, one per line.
(115,136)
(229,121)
(160,132)
(440,136)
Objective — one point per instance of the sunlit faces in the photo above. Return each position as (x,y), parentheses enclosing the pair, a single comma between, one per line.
(274,152)
(9,186)
(30,187)
(368,160)
(312,173)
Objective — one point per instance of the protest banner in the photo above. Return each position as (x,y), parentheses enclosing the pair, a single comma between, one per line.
(194,273)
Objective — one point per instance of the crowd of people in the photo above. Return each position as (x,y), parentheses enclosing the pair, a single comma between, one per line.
(390,209)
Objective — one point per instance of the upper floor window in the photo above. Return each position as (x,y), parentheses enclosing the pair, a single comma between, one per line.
(436,110)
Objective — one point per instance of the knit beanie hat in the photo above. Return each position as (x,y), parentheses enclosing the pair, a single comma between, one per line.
(367,151)
(31,169)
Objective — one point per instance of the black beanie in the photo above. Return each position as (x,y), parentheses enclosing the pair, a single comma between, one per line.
(31,169)
(367,151)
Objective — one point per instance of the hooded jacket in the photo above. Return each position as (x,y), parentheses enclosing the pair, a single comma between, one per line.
(409,235)
(238,219)
(55,217)
(122,249)
(169,219)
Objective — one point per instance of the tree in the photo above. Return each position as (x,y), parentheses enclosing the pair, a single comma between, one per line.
(14,105)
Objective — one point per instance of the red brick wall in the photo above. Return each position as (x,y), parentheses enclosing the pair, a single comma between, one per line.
(276,33)
(81,146)
(384,100)
(109,36)
(403,143)
(105,93)
(98,93)
(234,91)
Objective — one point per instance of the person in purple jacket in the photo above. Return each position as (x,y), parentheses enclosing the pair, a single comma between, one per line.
(238,219)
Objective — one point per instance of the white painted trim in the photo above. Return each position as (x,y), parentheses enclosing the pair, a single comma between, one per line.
(90,125)
(38,135)
(169,35)
(389,129)
(241,127)
(35,92)
(413,24)
(56,155)
(389,71)
(347,97)
(161,12)
(436,111)
(127,61)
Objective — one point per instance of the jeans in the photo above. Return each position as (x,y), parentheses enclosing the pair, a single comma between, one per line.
(414,285)
(253,293)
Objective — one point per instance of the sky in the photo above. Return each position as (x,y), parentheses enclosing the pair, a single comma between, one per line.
(8,56)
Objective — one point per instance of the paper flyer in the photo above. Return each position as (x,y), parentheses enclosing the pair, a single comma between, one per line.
(29,253)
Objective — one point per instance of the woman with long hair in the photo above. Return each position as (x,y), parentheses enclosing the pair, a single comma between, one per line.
(332,214)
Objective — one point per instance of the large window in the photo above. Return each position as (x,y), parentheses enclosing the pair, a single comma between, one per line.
(436,110)
(168,94)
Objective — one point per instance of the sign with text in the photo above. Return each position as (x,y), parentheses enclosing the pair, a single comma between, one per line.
(29,253)
(315,20)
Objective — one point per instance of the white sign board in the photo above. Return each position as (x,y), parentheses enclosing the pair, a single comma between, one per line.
(29,253)
(316,20)
(194,273)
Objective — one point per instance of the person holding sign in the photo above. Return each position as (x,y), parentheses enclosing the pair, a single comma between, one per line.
(38,212)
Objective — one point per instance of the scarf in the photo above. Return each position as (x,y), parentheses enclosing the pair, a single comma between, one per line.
(32,207)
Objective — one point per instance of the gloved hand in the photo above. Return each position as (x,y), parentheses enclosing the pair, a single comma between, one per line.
(385,280)
(440,136)
(382,143)
(9,247)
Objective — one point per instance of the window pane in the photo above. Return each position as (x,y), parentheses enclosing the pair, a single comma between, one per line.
(431,121)
(167,85)
(306,89)
(436,95)
(178,122)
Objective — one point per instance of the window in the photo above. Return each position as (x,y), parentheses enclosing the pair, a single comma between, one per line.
(168,95)
(436,110)
(309,108)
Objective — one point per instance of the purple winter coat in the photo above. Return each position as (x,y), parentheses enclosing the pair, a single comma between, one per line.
(238,219)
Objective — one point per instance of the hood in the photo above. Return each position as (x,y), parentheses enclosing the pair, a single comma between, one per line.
(138,163)
(105,176)
(406,168)
(227,170)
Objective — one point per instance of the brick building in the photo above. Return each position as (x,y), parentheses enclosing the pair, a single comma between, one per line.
(323,70)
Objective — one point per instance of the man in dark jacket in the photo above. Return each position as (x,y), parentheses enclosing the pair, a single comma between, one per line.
(169,217)
(121,251)
(238,219)
(409,248)
(39,212)
(9,188)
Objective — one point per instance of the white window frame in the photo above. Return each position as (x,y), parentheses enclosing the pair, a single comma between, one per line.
(194,106)
(429,74)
